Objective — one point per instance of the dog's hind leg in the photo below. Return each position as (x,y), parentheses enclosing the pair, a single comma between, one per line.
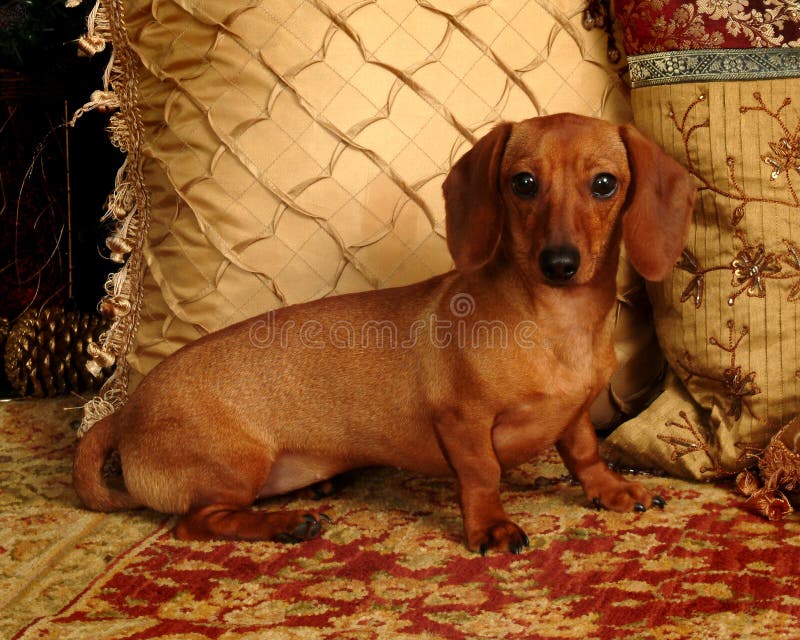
(232,522)
(213,485)
(221,507)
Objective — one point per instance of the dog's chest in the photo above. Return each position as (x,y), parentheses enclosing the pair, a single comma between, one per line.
(570,364)
(526,428)
(556,389)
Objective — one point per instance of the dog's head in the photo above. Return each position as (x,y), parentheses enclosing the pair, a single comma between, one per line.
(549,193)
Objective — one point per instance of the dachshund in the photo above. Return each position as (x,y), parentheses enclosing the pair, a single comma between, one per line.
(466,374)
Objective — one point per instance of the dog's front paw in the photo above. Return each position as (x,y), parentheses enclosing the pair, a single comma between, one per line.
(500,535)
(625,496)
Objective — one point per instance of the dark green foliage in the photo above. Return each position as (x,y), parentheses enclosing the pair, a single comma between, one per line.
(34,33)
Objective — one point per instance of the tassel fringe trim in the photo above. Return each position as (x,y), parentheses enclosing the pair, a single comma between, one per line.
(127,206)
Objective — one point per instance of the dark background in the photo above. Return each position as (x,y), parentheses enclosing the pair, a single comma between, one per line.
(49,174)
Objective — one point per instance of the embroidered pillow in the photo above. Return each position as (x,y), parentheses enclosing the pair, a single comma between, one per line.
(728,316)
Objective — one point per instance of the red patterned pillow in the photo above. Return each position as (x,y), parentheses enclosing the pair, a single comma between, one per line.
(650,26)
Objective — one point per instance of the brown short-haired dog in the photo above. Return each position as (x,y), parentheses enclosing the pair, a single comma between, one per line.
(467,373)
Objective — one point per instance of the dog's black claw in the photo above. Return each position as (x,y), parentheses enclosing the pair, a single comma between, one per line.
(596,503)
(310,528)
(659,502)
(286,538)
(314,530)
(639,507)
(483,548)
(300,532)
(515,547)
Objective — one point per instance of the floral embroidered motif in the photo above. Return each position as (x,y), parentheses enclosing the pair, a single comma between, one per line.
(754,264)
(736,385)
(736,192)
(792,260)
(685,438)
(697,285)
(785,156)
(750,268)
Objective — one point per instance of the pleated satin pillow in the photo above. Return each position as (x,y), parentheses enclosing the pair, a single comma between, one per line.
(284,150)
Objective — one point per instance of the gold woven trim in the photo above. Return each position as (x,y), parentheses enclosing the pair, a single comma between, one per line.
(128,205)
(713,65)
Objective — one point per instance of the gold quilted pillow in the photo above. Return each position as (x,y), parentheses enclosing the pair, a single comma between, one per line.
(290,149)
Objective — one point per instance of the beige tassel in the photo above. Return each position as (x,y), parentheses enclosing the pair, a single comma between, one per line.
(113,339)
(97,28)
(103,101)
(115,307)
(97,409)
(118,132)
(100,358)
(93,368)
(122,201)
(119,248)
(747,483)
(99,23)
(116,210)
(91,44)
(773,505)
(122,206)
(117,283)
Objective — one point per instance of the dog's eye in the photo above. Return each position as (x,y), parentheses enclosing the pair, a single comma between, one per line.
(604,185)
(524,185)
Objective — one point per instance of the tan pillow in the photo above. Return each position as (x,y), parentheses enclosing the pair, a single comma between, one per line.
(292,150)
(728,317)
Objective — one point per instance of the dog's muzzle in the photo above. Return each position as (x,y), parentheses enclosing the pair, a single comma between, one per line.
(559,264)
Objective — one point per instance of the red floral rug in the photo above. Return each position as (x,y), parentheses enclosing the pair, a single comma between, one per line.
(391,565)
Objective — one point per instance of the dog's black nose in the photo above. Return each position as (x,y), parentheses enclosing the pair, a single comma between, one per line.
(559,264)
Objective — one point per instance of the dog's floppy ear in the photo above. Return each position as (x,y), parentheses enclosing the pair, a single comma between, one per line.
(472,201)
(659,206)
